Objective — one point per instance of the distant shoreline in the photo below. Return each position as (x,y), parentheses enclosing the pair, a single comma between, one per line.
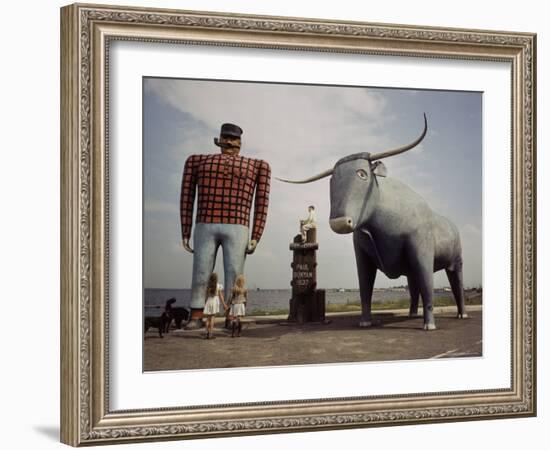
(397,304)
(400,304)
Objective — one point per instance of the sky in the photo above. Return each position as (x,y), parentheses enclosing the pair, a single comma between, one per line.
(301,130)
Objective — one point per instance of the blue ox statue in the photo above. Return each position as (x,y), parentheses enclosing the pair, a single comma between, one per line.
(394,231)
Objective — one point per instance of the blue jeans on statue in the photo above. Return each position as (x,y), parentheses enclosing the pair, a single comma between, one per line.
(207,239)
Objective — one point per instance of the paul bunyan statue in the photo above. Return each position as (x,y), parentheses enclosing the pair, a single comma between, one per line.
(225,185)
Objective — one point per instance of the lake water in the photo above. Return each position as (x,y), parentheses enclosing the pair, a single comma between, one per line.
(272,299)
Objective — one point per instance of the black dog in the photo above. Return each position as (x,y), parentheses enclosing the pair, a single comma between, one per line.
(178,313)
(161,322)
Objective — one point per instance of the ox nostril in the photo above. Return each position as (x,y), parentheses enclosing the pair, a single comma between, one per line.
(342,224)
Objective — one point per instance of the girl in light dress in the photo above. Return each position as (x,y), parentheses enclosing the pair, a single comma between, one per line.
(239,296)
(214,295)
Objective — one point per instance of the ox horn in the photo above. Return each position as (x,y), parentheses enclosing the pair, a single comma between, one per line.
(396,151)
(324,174)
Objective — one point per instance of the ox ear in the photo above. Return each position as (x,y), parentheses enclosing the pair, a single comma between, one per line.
(379,169)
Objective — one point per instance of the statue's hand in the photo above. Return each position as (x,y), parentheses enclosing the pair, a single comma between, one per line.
(251,246)
(185,243)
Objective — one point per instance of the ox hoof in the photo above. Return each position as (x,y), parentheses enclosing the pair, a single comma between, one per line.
(414,315)
(429,326)
(462,316)
(365,324)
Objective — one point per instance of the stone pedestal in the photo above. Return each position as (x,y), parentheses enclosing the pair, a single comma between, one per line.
(307,303)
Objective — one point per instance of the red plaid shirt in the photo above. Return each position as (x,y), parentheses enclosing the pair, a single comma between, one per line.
(226,185)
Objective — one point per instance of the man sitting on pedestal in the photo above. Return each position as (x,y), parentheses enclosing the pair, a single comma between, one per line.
(309,223)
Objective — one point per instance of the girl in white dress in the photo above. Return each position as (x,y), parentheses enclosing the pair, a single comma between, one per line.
(239,296)
(214,295)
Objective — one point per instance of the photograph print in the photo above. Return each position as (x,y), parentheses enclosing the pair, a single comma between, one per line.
(292,224)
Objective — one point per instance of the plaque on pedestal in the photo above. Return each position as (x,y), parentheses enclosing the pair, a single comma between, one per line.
(307,303)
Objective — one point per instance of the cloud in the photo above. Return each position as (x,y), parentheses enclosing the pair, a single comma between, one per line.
(155,207)
(472,229)
(279,119)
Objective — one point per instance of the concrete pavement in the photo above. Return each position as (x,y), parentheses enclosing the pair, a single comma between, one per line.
(270,341)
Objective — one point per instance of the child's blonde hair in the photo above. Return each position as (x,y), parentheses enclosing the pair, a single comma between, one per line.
(212,287)
(239,287)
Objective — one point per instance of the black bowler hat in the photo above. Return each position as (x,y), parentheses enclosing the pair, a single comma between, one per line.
(229,129)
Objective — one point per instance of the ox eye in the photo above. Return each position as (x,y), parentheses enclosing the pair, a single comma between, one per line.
(362,174)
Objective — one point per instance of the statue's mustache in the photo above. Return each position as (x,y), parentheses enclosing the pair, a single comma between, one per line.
(226,145)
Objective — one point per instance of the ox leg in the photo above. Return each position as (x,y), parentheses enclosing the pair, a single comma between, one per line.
(366,272)
(421,259)
(414,294)
(427,292)
(457,286)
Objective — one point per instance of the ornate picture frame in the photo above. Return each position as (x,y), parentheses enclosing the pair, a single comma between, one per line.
(87,32)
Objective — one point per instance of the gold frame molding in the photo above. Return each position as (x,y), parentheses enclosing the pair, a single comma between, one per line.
(86,32)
